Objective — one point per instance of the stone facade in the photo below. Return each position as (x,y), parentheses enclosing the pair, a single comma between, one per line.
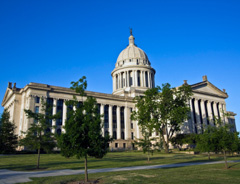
(132,76)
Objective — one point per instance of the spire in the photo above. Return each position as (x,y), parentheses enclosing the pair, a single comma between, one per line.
(131,38)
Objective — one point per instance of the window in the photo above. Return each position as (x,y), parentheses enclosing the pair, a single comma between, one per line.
(122,117)
(114,135)
(132,135)
(124,145)
(114,116)
(131,125)
(59,131)
(122,135)
(116,145)
(138,78)
(106,123)
(37,109)
(37,99)
(146,78)
(60,111)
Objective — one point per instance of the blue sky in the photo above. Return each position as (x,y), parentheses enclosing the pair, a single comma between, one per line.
(56,42)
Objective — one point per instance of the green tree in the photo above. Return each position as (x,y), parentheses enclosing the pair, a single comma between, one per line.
(39,135)
(83,128)
(163,109)
(8,139)
(207,142)
(218,138)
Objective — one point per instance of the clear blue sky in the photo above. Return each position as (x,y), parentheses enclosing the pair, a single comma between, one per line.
(56,42)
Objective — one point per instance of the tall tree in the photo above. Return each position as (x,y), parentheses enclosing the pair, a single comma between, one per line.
(166,109)
(83,128)
(8,139)
(39,135)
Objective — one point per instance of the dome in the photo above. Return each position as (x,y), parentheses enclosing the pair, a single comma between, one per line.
(132,55)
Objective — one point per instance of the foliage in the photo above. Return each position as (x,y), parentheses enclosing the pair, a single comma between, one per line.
(8,139)
(147,144)
(83,128)
(163,109)
(218,138)
(181,139)
(39,135)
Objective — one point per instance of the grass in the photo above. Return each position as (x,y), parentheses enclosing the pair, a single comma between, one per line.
(27,162)
(191,174)
(214,174)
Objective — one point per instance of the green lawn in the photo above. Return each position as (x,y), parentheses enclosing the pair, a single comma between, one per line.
(204,174)
(192,174)
(112,159)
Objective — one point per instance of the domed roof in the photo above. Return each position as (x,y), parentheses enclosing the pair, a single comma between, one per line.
(132,55)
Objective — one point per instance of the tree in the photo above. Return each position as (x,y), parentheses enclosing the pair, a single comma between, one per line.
(39,135)
(163,109)
(207,142)
(218,138)
(181,139)
(147,144)
(8,139)
(83,128)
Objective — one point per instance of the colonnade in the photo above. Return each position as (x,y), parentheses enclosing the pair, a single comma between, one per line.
(141,78)
(203,113)
(117,123)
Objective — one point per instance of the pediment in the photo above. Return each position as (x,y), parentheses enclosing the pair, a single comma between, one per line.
(6,95)
(208,88)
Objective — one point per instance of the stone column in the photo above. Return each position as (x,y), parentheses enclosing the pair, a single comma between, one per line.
(54,112)
(204,115)
(118,123)
(102,118)
(210,113)
(135,77)
(120,76)
(148,79)
(192,117)
(220,106)
(197,114)
(114,81)
(225,111)
(215,109)
(127,122)
(110,120)
(144,79)
(127,80)
(64,116)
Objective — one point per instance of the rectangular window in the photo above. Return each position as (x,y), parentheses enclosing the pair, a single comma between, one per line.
(37,99)
(60,111)
(132,135)
(116,145)
(124,145)
(106,122)
(131,125)
(37,109)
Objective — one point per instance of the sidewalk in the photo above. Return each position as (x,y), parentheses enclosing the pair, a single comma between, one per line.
(12,177)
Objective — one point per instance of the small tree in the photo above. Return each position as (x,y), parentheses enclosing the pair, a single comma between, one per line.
(8,139)
(163,109)
(39,135)
(206,142)
(147,144)
(83,128)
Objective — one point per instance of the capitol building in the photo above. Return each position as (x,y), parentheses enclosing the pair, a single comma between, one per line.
(132,76)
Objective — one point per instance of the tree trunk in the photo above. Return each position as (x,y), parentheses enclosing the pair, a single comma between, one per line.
(165,144)
(208,155)
(225,159)
(86,172)
(148,156)
(38,160)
